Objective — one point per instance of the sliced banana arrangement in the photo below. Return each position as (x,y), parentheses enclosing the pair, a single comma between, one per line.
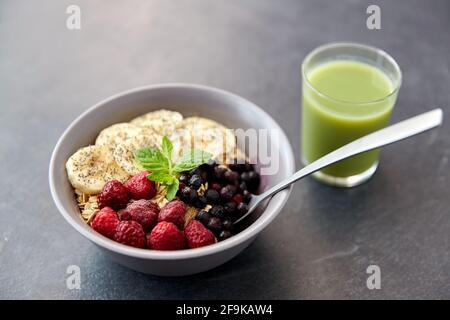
(124,152)
(91,167)
(162,121)
(204,134)
(116,134)
(112,156)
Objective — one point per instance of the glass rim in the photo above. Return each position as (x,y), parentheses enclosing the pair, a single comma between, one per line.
(331,45)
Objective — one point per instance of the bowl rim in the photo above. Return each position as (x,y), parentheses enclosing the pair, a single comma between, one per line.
(247,234)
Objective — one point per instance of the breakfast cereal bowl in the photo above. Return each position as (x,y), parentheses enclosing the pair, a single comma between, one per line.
(190,100)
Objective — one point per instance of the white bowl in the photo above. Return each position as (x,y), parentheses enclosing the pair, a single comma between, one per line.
(227,108)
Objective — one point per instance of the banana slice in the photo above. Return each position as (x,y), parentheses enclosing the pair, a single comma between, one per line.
(204,134)
(124,152)
(116,134)
(162,121)
(91,167)
(181,140)
(200,122)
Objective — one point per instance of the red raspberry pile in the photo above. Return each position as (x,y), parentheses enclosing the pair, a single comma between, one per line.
(117,195)
(139,187)
(140,223)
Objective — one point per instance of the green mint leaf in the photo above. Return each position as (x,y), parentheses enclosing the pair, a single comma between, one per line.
(172,190)
(191,159)
(162,177)
(162,170)
(153,160)
(166,148)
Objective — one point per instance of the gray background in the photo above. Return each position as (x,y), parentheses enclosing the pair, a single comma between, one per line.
(324,239)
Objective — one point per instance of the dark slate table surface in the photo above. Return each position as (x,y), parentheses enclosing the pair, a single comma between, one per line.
(324,239)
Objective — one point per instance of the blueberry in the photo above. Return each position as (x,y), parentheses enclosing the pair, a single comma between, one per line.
(211,163)
(204,175)
(209,166)
(201,202)
(193,196)
(242,186)
(242,208)
(232,188)
(185,193)
(189,195)
(254,178)
(231,176)
(224,235)
(195,181)
(195,171)
(226,194)
(215,225)
(184,178)
(249,167)
(212,196)
(245,176)
(219,172)
(227,224)
(247,196)
(203,217)
(238,167)
(217,211)
(230,207)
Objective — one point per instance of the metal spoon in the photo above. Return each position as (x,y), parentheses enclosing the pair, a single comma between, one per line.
(388,135)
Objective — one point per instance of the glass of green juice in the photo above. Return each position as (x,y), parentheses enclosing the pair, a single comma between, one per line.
(348,91)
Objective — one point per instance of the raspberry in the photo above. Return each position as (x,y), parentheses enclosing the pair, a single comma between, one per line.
(105,222)
(130,233)
(197,235)
(139,187)
(166,236)
(143,212)
(113,195)
(173,212)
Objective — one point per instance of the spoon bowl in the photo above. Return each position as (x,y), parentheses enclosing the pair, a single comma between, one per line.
(190,100)
(388,135)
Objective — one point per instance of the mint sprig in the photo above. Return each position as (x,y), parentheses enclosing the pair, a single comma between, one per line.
(163,169)
(191,159)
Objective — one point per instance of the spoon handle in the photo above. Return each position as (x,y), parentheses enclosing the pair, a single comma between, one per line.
(388,135)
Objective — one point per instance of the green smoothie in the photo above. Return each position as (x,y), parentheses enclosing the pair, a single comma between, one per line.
(342,101)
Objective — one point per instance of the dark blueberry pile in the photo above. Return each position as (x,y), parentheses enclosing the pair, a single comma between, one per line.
(229,191)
